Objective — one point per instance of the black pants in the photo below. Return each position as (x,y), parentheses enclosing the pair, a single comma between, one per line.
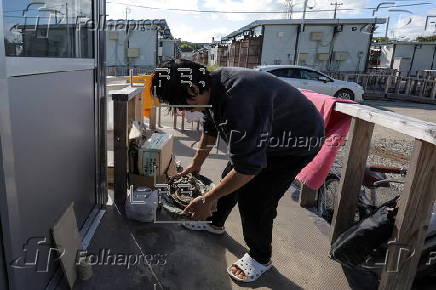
(258,201)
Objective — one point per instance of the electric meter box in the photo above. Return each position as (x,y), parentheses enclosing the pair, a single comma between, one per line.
(303,56)
(316,36)
(113,35)
(341,55)
(323,56)
(133,52)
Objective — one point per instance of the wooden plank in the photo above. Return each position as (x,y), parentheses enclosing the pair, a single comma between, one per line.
(120,151)
(351,178)
(410,126)
(126,94)
(183,121)
(307,197)
(153,117)
(139,108)
(412,219)
(160,117)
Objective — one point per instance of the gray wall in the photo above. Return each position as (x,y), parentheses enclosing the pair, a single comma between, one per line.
(279,46)
(168,49)
(144,40)
(53,133)
(423,56)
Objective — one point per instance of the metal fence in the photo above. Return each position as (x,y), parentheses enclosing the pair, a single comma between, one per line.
(391,86)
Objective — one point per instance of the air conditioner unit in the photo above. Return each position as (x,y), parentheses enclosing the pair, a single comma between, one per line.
(316,36)
(133,52)
(303,56)
(341,55)
(113,35)
(323,56)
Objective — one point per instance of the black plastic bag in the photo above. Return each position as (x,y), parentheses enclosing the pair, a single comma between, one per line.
(354,245)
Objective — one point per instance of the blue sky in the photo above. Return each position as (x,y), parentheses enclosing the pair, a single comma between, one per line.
(201,27)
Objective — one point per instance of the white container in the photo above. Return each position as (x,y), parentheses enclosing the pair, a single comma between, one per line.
(141,204)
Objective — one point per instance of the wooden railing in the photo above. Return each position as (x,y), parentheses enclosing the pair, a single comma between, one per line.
(416,200)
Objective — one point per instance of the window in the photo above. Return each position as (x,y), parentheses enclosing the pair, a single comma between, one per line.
(282,72)
(310,75)
(49,28)
(287,73)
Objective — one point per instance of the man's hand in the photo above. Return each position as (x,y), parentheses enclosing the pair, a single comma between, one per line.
(193,168)
(200,208)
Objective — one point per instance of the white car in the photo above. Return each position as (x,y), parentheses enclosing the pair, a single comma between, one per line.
(306,78)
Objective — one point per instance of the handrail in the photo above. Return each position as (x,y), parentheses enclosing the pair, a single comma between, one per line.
(417,198)
(407,125)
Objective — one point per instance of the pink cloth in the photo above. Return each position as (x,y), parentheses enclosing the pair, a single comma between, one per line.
(336,125)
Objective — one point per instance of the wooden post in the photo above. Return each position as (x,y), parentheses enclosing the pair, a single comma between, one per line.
(120,148)
(352,175)
(159,120)
(412,219)
(307,197)
(183,121)
(139,108)
(153,118)
(175,119)
(388,84)
(433,90)
(121,100)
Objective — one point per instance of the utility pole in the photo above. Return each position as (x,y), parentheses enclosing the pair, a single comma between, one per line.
(387,27)
(289,8)
(305,8)
(336,4)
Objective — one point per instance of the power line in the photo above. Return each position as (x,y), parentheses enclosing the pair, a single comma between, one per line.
(267,12)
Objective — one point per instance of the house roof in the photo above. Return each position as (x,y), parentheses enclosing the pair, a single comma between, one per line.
(160,23)
(306,21)
(404,43)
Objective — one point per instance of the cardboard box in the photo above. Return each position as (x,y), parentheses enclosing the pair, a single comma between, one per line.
(155,154)
(149,181)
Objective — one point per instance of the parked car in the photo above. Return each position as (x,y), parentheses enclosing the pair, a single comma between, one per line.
(307,78)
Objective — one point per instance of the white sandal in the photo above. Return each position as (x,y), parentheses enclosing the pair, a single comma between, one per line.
(251,268)
(202,226)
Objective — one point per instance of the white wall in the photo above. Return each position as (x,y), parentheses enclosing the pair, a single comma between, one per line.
(279,46)
(422,60)
(212,56)
(168,48)
(144,40)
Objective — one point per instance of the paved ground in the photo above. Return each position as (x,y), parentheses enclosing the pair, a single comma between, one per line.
(198,261)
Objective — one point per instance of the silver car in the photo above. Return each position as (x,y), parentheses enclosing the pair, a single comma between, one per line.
(307,78)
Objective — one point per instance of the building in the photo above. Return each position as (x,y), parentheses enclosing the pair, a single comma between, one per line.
(407,57)
(324,44)
(52,136)
(143,44)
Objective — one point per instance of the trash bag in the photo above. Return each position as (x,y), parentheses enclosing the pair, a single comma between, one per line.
(354,245)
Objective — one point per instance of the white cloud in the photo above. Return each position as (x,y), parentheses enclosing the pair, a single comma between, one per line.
(193,34)
(404,30)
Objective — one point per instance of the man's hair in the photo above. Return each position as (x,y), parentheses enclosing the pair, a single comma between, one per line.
(172,78)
